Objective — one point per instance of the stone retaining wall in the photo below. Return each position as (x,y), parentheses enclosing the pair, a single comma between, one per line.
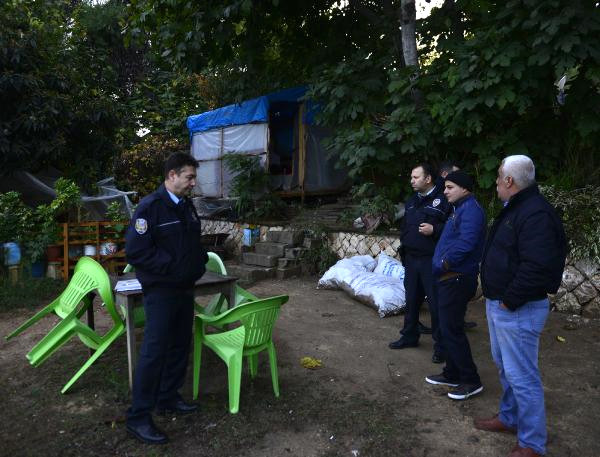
(580,289)
(579,293)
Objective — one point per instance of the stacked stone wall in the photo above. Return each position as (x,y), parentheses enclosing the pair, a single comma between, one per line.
(579,292)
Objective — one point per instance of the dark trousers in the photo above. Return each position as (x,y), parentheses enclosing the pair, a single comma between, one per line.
(453,296)
(418,283)
(163,358)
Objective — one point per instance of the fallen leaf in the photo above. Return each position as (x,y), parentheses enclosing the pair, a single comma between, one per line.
(310,363)
(560,339)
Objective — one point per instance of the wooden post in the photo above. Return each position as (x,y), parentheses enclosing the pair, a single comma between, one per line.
(301,151)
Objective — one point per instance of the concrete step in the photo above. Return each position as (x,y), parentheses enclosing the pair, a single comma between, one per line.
(250,273)
(293,237)
(287,263)
(283,273)
(271,248)
(294,253)
(263,260)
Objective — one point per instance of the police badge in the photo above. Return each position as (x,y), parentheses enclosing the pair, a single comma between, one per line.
(141,225)
(436,202)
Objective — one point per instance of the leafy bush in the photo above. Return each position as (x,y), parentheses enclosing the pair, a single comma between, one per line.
(140,168)
(68,197)
(372,201)
(15,217)
(580,212)
(250,185)
(318,259)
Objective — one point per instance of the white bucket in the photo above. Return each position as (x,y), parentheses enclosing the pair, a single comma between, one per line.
(89,250)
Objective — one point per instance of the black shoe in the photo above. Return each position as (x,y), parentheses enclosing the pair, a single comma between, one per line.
(438,358)
(424,329)
(147,433)
(470,325)
(401,344)
(179,407)
(441,380)
(464,391)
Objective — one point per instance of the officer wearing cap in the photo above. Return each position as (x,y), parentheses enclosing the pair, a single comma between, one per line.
(163,244)
(422,224)
(455,269)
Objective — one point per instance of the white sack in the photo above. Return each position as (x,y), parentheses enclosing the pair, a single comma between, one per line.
(344,270)
(384,293)
(355,276)
(388,266)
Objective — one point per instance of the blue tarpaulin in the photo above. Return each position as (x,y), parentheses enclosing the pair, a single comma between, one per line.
(247,112)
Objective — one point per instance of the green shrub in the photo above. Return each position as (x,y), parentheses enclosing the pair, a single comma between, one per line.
(373,201)
(580,212)
(255,200)
(141,167)
(15,217)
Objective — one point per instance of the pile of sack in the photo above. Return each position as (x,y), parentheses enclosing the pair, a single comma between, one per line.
(378,283)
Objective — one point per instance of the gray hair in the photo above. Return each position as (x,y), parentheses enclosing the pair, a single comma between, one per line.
(521,169)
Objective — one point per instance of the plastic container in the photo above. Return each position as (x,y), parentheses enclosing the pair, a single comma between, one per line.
(12,254)
(75,251)
(38,269)
(89,250)
(250,236)
(54,270)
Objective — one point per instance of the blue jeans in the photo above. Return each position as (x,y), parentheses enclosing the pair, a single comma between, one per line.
(514,338)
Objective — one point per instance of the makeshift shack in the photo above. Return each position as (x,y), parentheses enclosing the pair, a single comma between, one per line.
(279,128)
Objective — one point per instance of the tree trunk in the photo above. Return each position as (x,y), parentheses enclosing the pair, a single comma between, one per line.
(409,45)
(409,36)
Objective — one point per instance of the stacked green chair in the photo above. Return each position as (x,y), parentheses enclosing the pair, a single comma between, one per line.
(253,336)
(70,306)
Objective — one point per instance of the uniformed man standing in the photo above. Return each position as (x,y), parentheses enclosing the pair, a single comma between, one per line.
(163,244)
(423,222)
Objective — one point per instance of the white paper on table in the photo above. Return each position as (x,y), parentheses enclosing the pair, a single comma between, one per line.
(128,284)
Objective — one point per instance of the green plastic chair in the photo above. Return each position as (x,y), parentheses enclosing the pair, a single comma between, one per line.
(72,303)
(214,264)
(254,335)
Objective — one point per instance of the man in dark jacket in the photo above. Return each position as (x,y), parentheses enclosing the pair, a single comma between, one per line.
(522,263)
(163,244)
(455,267)
(425,214)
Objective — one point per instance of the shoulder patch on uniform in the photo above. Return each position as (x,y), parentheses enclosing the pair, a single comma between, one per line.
(436,202)
(141,226)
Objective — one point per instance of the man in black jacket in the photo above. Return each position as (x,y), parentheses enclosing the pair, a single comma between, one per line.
(163,244)
(523,261)
(425,214)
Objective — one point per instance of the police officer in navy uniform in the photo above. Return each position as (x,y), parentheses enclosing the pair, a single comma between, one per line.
(425,214)
(163,244)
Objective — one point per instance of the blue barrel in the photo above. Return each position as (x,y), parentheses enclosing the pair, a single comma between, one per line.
(12,254)
(38,269)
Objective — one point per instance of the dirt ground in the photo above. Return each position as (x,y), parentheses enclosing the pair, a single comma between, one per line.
(366,400)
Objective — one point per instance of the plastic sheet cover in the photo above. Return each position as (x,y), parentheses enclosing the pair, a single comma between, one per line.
(213,177)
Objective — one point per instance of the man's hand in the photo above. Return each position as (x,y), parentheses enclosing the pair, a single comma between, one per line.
(502,305)
(426,229)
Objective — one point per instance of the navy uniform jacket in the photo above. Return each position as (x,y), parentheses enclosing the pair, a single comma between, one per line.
(460,246)
(163,242)
(432,209)
(525,252)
